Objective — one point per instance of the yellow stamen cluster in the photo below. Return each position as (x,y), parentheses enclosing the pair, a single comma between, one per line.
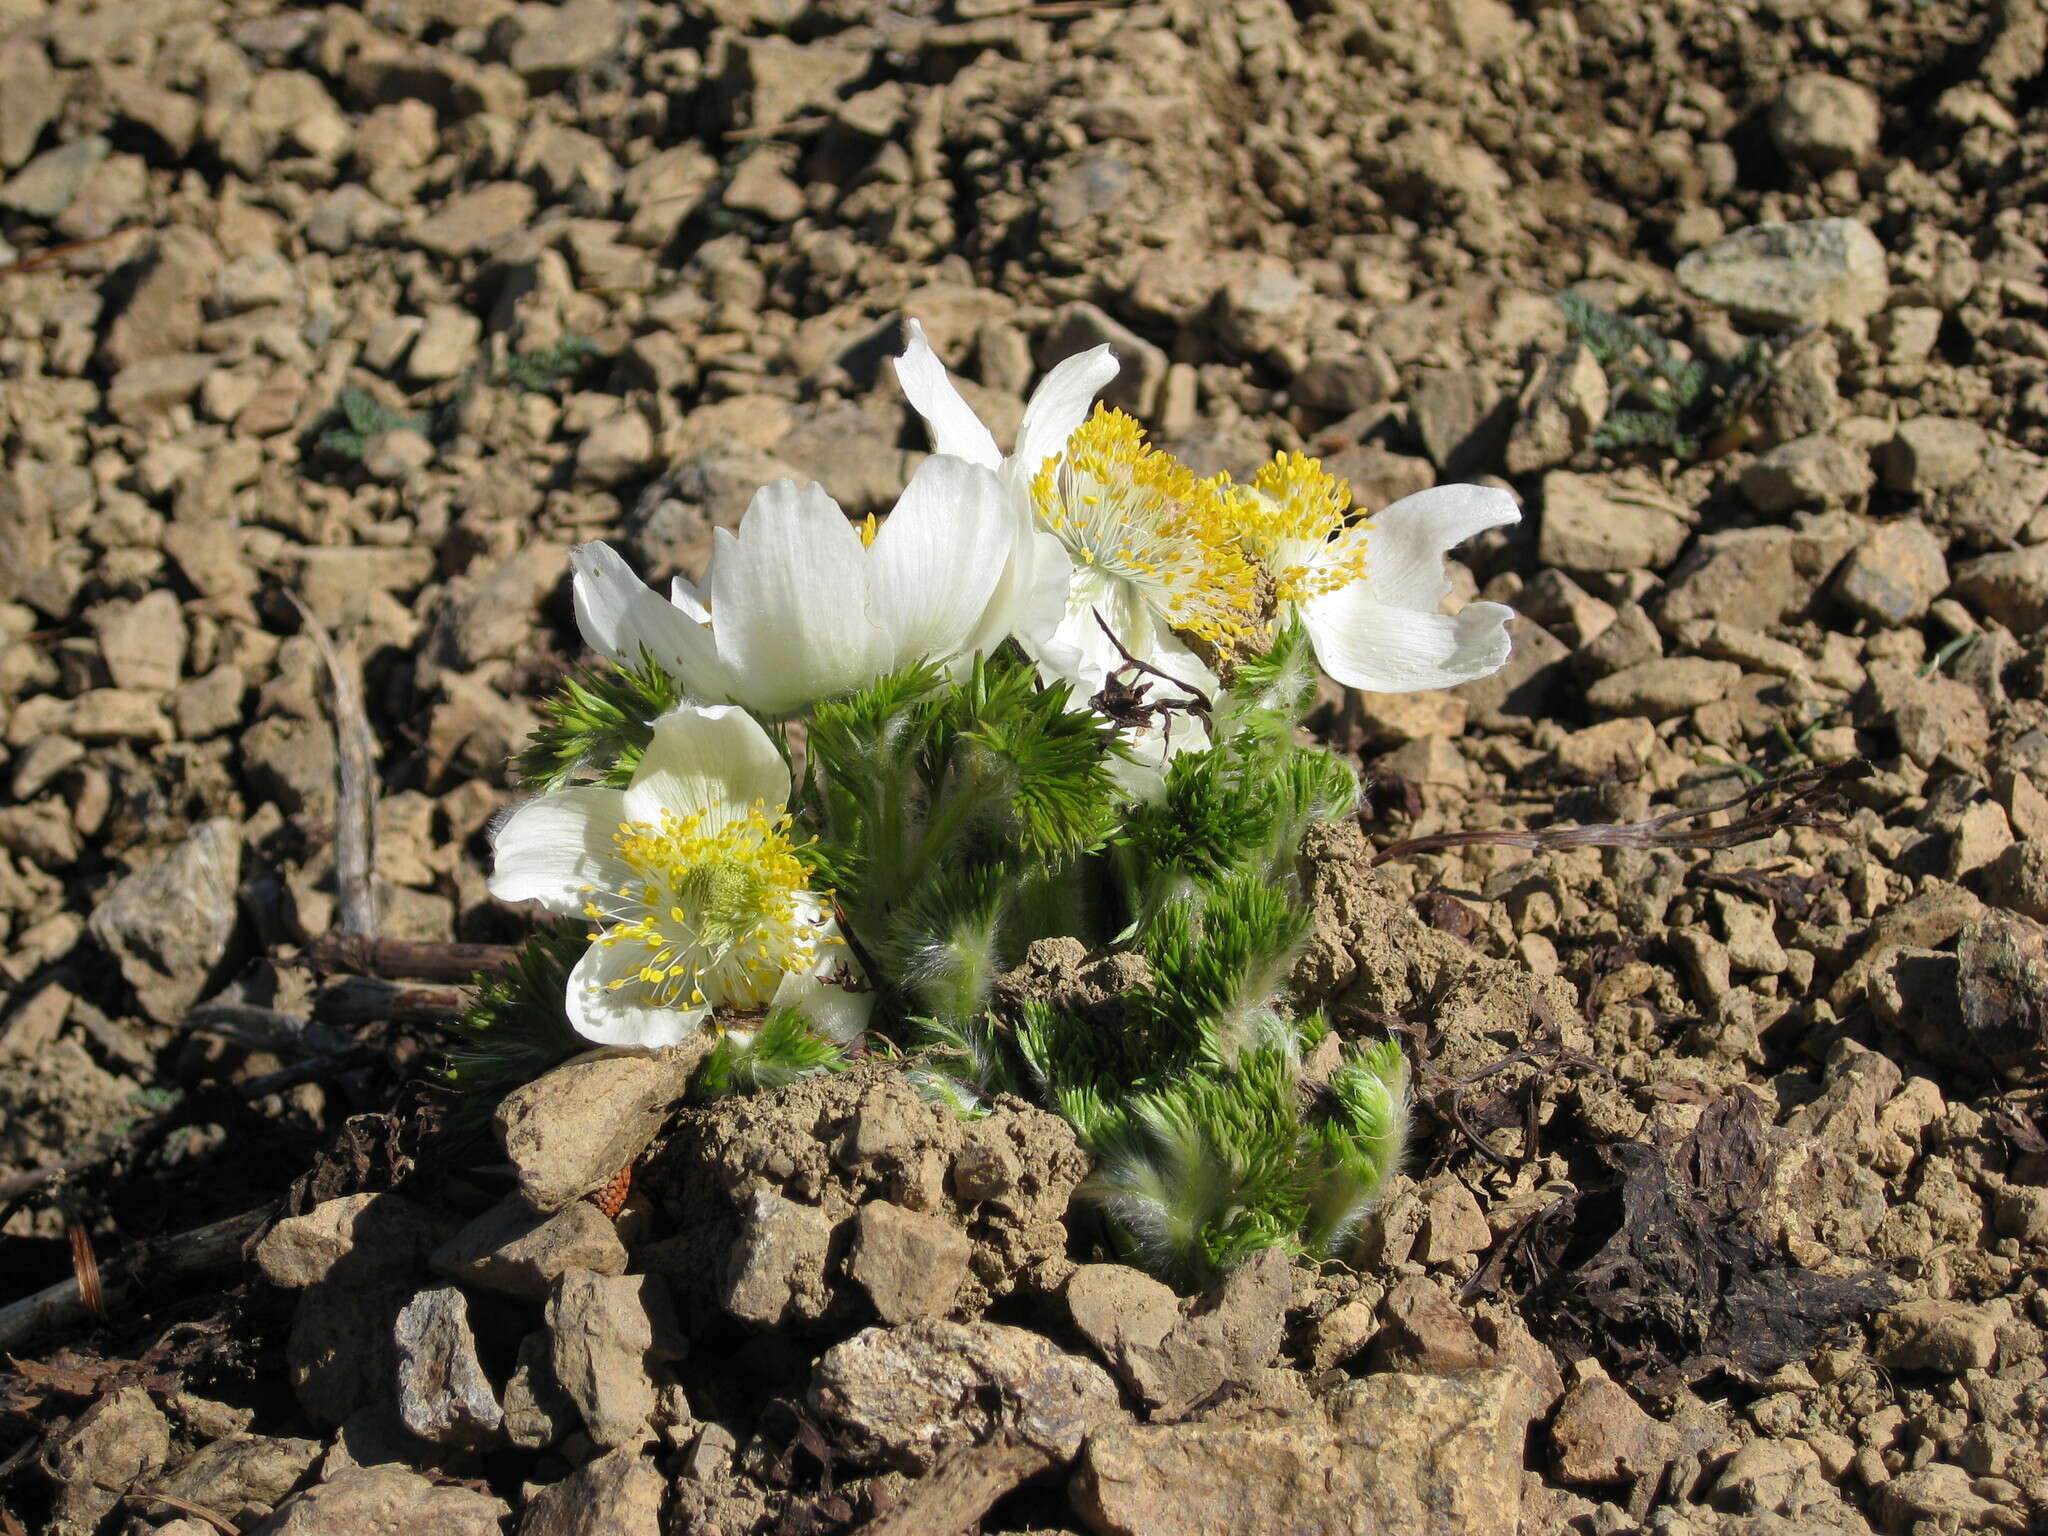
(1140,517)
(714,910)
(1297,521)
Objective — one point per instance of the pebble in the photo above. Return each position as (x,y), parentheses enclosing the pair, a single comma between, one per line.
(1894,575)
(476,219)
(1668,686)
(1601,1435)
(617,449)
(49,184)
(1819,272)
(910,1263)
(1932,453)
(1592,523)
(606,1334)
(1807,472)
(446,345)
(1823,123)
(2011,587)
(1948,1337)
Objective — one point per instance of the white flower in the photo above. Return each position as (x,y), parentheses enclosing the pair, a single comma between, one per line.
(800,604)
(695,897)
(1033,597)
(1368,588)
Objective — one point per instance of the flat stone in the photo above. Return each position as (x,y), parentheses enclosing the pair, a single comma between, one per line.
(1823,123)
(143,642)
(773,79)
(243,1477)
(1808,472)
(550,43)
(1668,686)
(388,1501)
(31,96)
(126,1442)
(617,449)
(1594,523)
(477,219)
(1602,1435)
(49,184)
(615,1495)
(1949,1337)
(537,1411)
(1394,1452)
(169,923)
(1932,453)
(1817,272)
(1941,1497)
(512,1249)
(361,1237)
(572,1129)
(446,346)
(153,386)
(1930,715)
(1174,1354)
(777,1266)
(903,1397)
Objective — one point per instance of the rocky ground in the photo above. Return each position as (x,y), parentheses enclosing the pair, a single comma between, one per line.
(1728,1211)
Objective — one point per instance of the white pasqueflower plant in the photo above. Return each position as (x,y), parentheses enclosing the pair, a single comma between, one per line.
(801,604)
(690,883)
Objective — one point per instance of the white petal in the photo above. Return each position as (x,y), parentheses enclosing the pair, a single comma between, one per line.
(833,1011)
(684,594)
(714,763)
(1405,544)
(619,615)
(1032,596)
(1367,644)
(1080,649)
(1058,407)
(555,847)
(1143,777)
(789,602)
(622,1016)
(936,562)
(955,429)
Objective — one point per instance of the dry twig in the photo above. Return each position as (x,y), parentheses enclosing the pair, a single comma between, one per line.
(1810,794)
(218,1246)
(404,959)
(355,806)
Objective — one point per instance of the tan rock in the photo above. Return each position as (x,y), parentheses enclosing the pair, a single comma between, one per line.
(572,1129)
(1394,1452)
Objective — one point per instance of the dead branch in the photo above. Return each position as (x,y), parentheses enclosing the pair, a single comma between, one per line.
(218,1246)
(1810,794)
(403,959)
(355,806)
(369,1000)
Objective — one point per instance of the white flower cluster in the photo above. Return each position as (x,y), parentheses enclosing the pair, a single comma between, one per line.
(1089,548)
